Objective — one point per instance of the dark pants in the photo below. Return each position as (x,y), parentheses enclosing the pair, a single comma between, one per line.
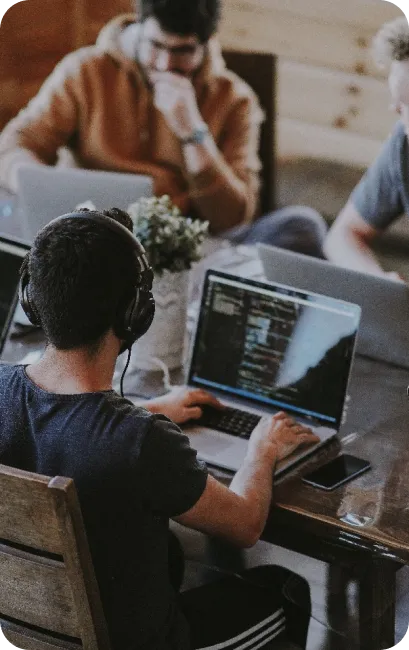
(296,228)
(229,606)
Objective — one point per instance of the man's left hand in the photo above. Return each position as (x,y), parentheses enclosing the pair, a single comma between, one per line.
(175,97)
(182,404)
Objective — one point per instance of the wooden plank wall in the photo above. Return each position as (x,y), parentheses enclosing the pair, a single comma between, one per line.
(332,101)
(36,34)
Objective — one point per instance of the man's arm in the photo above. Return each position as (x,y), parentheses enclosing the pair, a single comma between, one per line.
(223,184)
(375,203)
(239,513)
(224,180)
(348,242)
(45,125)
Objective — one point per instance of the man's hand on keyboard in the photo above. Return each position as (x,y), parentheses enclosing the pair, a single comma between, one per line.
(182,404)
(279,435)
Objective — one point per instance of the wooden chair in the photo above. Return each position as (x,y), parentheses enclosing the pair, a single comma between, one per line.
(259,71)
(49,597)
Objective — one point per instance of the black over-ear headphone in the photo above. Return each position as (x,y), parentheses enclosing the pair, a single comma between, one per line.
(135,317)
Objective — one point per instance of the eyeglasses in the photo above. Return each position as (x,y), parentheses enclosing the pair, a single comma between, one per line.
(183,53)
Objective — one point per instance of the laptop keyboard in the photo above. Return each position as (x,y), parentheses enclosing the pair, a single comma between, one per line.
(229,420)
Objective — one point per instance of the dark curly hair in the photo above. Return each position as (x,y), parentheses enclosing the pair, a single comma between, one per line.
(184,17)
(81,274)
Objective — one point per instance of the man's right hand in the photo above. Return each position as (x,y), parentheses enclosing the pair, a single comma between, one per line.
(239,513)
(175,97)
(279,436)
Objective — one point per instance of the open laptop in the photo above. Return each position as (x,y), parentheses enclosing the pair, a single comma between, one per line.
(263,348)
(47,192)
(12,252)
(384,329)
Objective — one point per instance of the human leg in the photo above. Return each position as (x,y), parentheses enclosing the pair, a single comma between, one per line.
(297,228)
(248,610)
(296,598)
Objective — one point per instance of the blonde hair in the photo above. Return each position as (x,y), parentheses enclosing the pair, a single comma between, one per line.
(391,43)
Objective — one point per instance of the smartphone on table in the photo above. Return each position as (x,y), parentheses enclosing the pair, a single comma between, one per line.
(342,469)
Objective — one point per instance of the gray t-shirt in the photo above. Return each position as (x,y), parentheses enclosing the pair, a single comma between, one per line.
(382,195)
(133,471)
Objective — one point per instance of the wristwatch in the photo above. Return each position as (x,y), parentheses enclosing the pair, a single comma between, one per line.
(197,136)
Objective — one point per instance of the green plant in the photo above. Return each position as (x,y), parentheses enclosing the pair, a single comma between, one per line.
(172,241)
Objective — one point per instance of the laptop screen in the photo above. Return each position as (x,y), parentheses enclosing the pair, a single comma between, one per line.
(274,345)
(11,257)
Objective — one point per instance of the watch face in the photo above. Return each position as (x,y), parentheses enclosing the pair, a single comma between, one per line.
(200,135)
(197,137)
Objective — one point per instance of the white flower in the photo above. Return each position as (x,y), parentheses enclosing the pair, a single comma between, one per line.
(171,240)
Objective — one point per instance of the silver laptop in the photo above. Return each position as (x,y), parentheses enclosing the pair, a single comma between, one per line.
(384,329)
(47,192)
(12,252)
(262,348)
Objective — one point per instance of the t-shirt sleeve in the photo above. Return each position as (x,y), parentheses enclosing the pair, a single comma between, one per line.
(172,479)
(378,196)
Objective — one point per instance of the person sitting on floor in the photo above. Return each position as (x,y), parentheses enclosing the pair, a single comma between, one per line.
(154,97)
(87,282)
(382,196)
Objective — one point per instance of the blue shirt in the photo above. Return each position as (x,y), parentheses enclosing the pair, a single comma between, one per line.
(382,195)
(132,471)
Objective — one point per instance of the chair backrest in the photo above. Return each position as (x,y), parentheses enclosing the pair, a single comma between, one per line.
(49,596)
(259,71)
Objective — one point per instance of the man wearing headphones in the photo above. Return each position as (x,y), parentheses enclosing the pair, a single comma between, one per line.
(88,283)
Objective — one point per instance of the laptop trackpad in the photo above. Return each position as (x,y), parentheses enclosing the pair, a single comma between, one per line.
(217,448)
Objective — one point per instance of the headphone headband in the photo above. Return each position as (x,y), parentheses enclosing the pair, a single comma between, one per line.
(115,226)
(105,220)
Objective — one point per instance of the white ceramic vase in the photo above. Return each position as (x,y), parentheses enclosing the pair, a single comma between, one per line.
(166,337)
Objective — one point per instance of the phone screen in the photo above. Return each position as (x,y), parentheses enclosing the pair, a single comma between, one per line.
(336,472)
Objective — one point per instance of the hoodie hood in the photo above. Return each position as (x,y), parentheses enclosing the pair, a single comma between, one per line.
(110,41)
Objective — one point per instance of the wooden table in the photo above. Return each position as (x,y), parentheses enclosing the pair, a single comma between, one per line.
(360,529)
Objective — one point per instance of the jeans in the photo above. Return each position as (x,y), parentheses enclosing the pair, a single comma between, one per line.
(296,228)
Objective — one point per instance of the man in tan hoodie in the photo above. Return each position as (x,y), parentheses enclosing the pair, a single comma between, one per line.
(154,97)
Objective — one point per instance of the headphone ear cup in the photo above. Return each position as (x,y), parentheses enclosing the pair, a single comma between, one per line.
(134,320)
(24,295)
(143,316)
(122,325)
